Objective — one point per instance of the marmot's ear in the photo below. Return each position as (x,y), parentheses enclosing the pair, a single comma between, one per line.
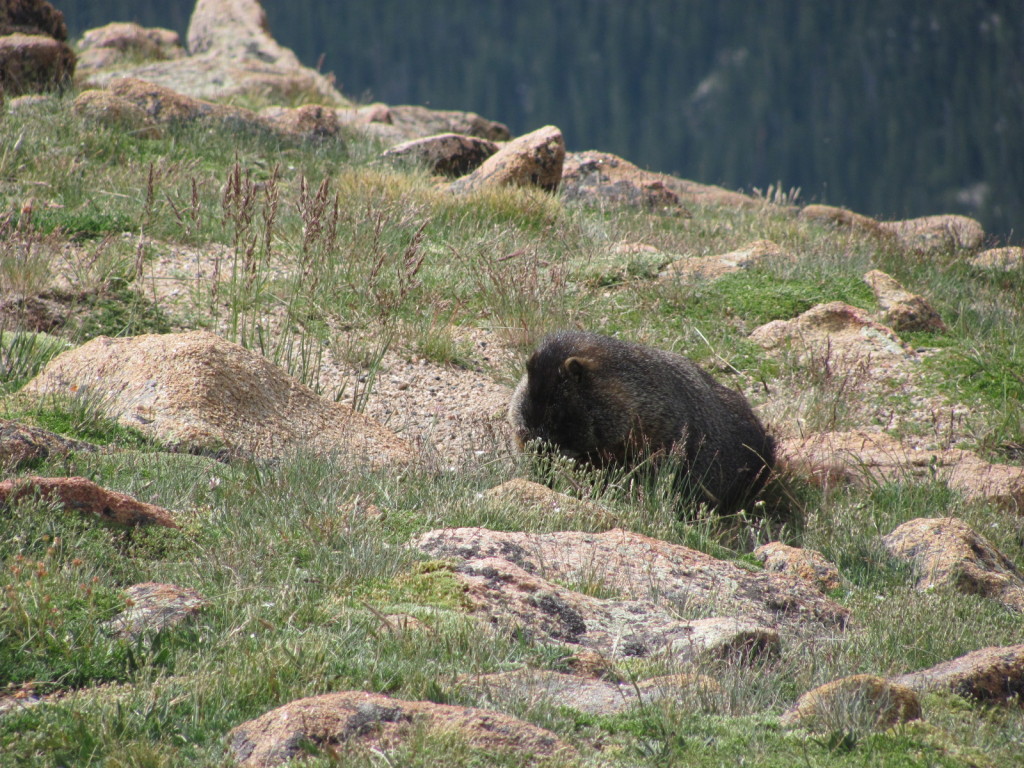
(577,367)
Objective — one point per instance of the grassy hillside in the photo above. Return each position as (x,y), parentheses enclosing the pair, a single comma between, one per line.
(325,257)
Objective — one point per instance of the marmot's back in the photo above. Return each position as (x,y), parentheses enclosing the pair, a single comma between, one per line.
(603,400)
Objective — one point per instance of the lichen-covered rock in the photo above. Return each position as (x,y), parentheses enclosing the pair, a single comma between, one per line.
(358,720)
(988,674)
(515,580)
(80,495)
(854,703)
(532,160)
(938,233)
(945,551)
(546,502)
(806,564)
(448,154)
(154,607)
(841,217)
(206,394)
(126,43)
(169,106)
(310,121)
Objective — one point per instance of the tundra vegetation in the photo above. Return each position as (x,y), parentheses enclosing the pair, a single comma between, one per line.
(322,249)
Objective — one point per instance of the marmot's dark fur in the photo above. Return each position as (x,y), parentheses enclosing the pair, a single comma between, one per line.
(604,401)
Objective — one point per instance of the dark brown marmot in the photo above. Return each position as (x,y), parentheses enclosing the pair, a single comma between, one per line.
(604,401)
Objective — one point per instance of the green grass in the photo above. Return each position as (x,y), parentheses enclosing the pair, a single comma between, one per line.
(329,251)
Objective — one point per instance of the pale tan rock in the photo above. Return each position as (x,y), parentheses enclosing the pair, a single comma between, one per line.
(106,108)
(838,329)
(1004,259)
(81,495)
(713,267)
(841,217)
(354,719)
(945,551)
(532,160)
(154,607)
(545,501)
(853,703)
(165,105)
(32,63)
(988,674)
(204,393)
(517,580)
(310,121)
(806,564)
(600,178)
(938,233)
(901,309)
(875,457)
(449,154)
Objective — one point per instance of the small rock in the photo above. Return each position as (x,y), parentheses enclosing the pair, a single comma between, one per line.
(806,564)
(946,551)
(154,607)
(106,108)
(81,495)
(989,674)
(1005,259)
(938,233)
(310,121)
(854,703)
(168,106)
(21,444)
(412,122)
(532,160)
(713,267)
(126,43)
(448,154)
(841,217)
(372,720)
(902,310)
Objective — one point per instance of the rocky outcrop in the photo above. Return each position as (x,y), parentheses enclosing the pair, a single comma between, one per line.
(231,54)
(447,154)
(712,267)
(371,721)
(806,564)
(600,178)
(154,607)
(874,457)
(859,702)
(125,44)
(945,551)
(532,160)
(516,581)
(21,444)
(841,332)
(930,234)
(999,259)
(202,393)
(901,309)
(988,674)
(80,495)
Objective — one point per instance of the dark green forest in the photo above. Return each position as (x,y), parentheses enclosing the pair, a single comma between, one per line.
(893,109)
